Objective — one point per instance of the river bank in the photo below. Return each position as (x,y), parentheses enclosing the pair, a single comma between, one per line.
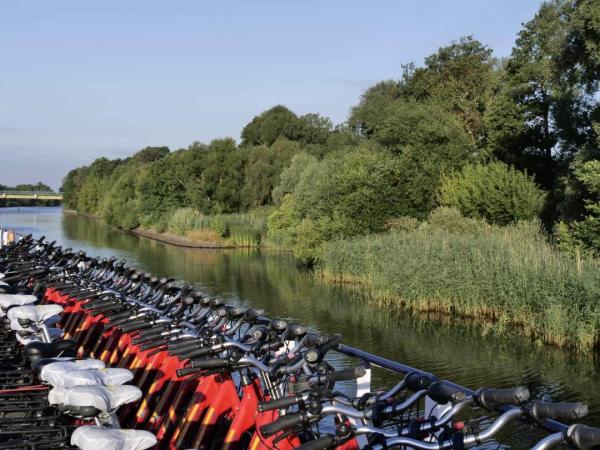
(180,241)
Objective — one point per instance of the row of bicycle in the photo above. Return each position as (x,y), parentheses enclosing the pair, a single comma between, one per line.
(187,371)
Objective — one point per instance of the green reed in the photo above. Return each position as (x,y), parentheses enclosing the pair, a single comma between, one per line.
(511,277)
(240,229)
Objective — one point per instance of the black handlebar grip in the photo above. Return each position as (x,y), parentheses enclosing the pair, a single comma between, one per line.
(311,340)
(492,398)
(416,381)
(347,374)
(200,352)
(441,392)
(323,443)
(541,410)
(331,343)
(134,325)
(152,344)
(277,403)
(187,371)
(251,314)
(211,363)
(287,421)
(114,319)
(181,343)
(147,335)
(583,437)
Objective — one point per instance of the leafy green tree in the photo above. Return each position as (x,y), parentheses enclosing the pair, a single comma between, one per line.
(584,40)
(551,96)
(462,77)
(365,116)
(280,122)
(505,123)
(120,205)
(313,129)
(265,128)
(585,233)
(417,124)
(262,168)
(38,187)
(71,186)
(495,192)
(430,141)
(150,154)
(160,190)
(222,177)
(290,177)
(94,185)
(345,195)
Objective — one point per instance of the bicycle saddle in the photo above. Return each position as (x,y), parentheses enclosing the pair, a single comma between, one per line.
(78,399)
(8,300)
(35,313)
(52,367)
(35,351)
(27,336)
(87,377)
(91,437)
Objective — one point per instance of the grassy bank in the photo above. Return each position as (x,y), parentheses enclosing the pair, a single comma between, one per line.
(508,276)
(235,230)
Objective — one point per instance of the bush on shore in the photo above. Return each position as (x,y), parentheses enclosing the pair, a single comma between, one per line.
(242,229)
(495,192)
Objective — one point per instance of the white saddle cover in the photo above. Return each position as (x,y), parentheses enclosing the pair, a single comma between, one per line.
(90,377)
(104,398)
(36,313)
(90,437)
(36,336)
(8,300)
(58,368)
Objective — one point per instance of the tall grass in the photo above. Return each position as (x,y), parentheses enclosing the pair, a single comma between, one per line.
(510,276)
(239,230)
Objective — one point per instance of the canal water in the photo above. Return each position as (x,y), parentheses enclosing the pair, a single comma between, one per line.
(451,349)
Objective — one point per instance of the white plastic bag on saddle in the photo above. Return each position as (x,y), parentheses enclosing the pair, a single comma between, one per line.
(58,368)
(91,437)
(89,377)
(103,398)
(8,300)
(35,313)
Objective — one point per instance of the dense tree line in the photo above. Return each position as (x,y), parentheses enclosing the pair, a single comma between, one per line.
(499,139)
(38,187)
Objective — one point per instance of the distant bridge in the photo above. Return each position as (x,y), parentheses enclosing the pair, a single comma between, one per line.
(30,195)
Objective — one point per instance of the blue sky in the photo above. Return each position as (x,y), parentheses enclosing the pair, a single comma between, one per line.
(82,79)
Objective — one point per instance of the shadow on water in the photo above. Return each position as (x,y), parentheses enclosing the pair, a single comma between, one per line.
(449,348)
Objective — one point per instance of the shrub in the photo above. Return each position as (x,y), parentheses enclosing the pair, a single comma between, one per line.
(495,192)
(345,195)
(404,223)
(450,219)
(290,177)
